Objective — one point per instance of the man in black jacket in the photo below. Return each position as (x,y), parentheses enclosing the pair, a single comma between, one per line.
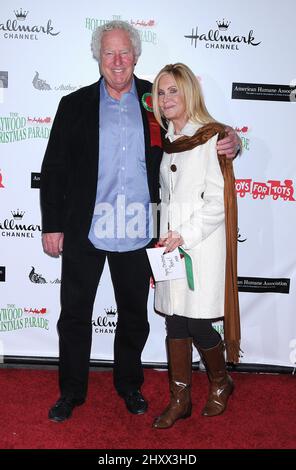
(99,180)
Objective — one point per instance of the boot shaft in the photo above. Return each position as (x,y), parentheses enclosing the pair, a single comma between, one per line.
(214,361)
(180,360)
(221,384)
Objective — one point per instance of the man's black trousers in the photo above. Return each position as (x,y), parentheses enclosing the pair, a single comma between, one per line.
(81,271)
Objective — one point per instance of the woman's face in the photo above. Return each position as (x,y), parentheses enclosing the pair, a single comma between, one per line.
(170,100)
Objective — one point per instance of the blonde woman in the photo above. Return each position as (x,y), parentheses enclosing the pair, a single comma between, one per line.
(198,214)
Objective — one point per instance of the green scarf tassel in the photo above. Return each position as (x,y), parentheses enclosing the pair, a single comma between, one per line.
(188,267)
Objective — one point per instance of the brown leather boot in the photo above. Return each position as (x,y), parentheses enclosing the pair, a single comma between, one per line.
(221,384)
(180,367)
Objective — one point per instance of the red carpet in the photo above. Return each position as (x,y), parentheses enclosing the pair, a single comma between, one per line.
(261,415)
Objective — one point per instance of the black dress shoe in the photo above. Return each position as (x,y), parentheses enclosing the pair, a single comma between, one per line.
(63,408)
(135,402)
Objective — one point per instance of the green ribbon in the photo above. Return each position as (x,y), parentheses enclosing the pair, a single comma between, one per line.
(188,267)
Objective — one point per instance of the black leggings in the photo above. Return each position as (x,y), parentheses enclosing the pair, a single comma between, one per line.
(202,331)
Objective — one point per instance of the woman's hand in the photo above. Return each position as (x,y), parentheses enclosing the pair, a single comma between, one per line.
(171,241)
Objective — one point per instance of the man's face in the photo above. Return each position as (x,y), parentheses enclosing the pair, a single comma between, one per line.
(117,61)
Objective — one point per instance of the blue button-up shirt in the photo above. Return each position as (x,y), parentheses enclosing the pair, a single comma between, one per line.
(121,217)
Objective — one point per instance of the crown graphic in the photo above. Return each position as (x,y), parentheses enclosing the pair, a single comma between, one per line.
(223,25)
(111,312)
(20,14)
(17,215)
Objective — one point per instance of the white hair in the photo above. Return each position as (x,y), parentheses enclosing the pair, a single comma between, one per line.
(133,33)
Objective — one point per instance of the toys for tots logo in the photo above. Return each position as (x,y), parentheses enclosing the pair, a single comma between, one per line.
(274,189)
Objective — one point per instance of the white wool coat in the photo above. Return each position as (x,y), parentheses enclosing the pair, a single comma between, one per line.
(192,203)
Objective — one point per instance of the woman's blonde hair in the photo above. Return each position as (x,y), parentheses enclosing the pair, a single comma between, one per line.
(189,89)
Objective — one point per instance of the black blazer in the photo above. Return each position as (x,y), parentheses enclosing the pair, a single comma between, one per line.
(69,172)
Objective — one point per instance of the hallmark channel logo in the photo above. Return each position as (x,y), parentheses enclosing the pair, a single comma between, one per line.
(16,227)
(106,323)
(219,37)
(144,26)
(20,14)
(19,26)
(13,318)
(18,215)
(15,128)
(37,278)
(2,273)
(35,180)
(273,189)
(42,85)
(263,92)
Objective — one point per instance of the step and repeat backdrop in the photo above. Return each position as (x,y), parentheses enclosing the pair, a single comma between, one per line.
(245,60)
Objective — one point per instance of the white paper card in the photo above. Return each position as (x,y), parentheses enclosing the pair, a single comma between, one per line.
(166,266)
